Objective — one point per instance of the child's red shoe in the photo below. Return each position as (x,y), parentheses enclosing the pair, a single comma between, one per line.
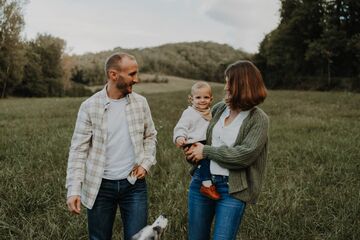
(210,192)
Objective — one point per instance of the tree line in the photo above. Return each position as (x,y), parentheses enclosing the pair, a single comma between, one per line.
(315,46)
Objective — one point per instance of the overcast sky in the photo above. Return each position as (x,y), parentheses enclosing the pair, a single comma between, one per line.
(93,25)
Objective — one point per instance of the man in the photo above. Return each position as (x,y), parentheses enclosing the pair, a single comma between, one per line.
(114,142)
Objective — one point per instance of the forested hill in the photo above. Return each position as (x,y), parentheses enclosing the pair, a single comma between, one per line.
(197,60)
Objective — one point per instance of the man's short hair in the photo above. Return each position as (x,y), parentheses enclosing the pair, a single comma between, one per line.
(113,62)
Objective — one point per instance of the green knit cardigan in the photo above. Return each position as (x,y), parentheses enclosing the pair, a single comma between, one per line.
(245,160)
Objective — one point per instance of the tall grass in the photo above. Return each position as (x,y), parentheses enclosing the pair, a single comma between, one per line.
(312,187)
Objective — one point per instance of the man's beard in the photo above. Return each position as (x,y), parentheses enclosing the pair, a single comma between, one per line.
(124,88)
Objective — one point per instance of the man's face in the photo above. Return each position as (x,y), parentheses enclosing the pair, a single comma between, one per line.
(127,76)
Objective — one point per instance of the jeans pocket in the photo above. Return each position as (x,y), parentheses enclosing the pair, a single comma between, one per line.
(140,184)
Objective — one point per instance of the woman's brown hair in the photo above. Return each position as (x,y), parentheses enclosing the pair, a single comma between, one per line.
(245,85)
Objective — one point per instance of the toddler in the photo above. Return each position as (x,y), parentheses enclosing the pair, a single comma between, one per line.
(192,128)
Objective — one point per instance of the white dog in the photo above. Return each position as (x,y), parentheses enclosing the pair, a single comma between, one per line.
(152,232)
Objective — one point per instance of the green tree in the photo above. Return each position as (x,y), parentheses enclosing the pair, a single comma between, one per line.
(314,46)
(32,84)
(282,51)
(336,49)
(11,50)
(43,72)
(50,50)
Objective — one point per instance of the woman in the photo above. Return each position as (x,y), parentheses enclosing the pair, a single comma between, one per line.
(237,140)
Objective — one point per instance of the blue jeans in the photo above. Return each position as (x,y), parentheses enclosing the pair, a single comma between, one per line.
(228,211)
(132,200)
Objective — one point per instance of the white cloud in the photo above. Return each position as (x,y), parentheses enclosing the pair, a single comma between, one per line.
(89,25)
(245,13)
(248,21)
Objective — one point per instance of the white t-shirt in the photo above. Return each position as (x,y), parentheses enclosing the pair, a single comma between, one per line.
(120,155)
(225,135)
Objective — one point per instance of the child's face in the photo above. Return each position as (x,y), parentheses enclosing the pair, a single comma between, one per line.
(201,98)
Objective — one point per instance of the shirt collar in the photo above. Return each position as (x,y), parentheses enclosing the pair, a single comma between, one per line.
(106,99)
(242,115)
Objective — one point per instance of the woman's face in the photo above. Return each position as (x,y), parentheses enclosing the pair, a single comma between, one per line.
(227,88)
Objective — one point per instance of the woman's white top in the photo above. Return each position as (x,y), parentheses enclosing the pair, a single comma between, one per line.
(225,135)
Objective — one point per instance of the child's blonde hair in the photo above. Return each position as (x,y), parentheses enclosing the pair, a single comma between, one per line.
(197,85)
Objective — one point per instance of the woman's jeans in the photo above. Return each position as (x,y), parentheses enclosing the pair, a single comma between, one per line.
(228,211)
(132,200)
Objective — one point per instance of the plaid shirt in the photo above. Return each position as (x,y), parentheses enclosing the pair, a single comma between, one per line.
(87,152)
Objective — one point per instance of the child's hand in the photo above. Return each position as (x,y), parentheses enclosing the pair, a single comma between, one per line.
(180,141)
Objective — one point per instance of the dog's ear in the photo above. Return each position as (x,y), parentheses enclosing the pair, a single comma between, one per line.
(157,229)
(157,232)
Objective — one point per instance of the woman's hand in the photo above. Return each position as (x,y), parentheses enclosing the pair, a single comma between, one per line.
(194,153)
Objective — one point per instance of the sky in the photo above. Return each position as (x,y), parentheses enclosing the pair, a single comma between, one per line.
(93,25)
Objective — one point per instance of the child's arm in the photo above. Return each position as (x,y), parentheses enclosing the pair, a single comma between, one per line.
(182,128)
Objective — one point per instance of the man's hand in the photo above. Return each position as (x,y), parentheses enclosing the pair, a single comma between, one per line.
(74,203)
(180,141)
(139,172)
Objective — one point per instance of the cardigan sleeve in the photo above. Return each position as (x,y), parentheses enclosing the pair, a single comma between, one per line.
(244,154)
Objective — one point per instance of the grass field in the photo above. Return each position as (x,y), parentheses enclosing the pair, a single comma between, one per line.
(312,188)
